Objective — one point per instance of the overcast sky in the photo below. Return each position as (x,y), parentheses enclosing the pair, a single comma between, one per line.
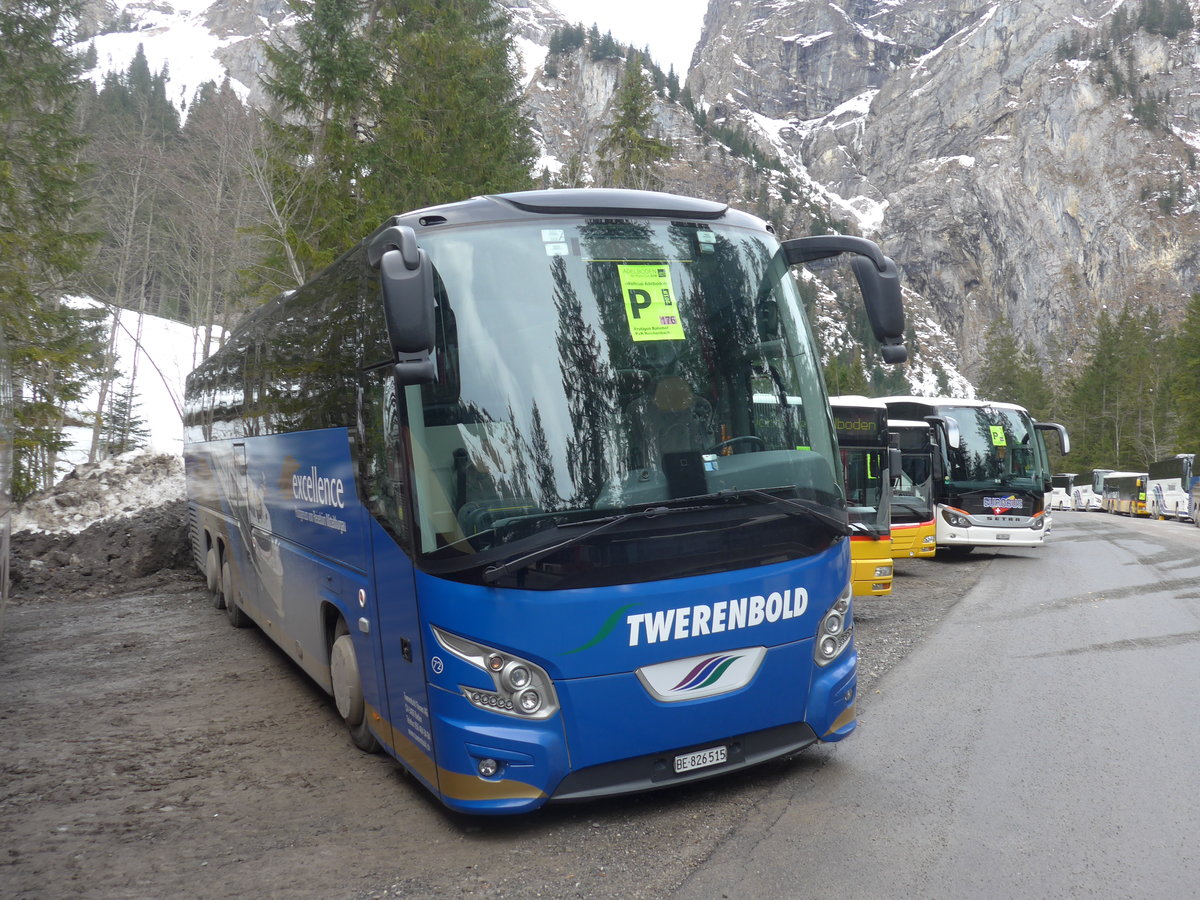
(670,28)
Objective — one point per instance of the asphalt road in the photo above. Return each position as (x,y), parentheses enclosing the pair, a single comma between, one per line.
(1040,743)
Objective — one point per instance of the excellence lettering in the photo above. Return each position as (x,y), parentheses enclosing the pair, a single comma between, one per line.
(313,488)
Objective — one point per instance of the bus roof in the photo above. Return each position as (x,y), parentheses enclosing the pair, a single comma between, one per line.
(857,400)
(908,425)
(573,201)
(954,401)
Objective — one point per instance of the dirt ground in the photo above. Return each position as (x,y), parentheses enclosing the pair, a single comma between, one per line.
(148,750)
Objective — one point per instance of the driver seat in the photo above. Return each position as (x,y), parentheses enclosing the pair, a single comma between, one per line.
(669,419)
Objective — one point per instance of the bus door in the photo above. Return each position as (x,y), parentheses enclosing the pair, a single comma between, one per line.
(400,716)
(403,719)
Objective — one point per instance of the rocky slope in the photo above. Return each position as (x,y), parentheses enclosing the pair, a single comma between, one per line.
(1032,160)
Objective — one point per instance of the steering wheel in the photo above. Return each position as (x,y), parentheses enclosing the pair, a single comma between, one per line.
(716,448)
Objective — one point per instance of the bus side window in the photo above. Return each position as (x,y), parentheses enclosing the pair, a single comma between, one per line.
(384,475)
(441,399)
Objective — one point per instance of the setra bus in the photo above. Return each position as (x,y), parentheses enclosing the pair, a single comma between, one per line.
(1124,493)
(1085,495)
(867,463)
(914,531)
(1169,486)
(496,480)
(1062,489)
(996,476)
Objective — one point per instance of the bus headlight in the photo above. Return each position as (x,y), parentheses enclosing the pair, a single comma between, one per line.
(955,518)
(883,571)
(835,632)
(519,688)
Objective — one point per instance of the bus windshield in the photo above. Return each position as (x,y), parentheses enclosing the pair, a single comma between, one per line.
(603,366)
(912,488)
(998,446)
(868,504)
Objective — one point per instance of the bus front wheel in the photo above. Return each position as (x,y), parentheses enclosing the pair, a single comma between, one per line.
(233,612)
(955,549)
(347,689)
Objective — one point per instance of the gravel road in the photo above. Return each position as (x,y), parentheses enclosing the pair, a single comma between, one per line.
(148,750)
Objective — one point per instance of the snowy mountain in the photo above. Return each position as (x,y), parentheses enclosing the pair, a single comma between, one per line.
(1032,161)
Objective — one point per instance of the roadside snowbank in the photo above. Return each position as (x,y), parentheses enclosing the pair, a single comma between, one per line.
(94,492)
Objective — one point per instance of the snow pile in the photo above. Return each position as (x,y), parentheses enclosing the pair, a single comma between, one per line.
(113,488)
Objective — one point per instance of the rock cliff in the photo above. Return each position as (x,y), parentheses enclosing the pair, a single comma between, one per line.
(1033,160)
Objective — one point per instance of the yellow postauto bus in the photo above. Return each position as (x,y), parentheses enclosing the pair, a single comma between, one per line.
(862,431)
(914,528)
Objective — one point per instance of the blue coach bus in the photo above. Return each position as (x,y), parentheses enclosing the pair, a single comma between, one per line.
(495,481)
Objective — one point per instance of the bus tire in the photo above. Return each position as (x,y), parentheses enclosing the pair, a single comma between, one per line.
(233,612)
(212,573)
(347,689)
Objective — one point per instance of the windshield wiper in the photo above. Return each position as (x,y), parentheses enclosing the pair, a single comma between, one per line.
(494,573)
(797,506)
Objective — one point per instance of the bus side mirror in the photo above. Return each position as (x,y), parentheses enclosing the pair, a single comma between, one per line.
(878,280)
(895,462)
(937,470)
(1064,439)
(885,310)
(406,279)
(949,428)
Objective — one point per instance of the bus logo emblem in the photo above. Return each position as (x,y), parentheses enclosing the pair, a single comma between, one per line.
(706,673)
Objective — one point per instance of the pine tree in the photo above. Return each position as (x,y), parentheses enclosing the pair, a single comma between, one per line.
(449,123)
(1120,401)
(1012,373)
(124,429)
(321,84)
(53,348)
(844,375)
(629,155)
(1187,383)
(384,107)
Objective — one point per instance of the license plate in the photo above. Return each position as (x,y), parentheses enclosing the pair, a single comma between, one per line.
(713,756)
(1003,537)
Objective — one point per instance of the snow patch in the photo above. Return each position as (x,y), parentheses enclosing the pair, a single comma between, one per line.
(176,41)
(805,40)
(163,352)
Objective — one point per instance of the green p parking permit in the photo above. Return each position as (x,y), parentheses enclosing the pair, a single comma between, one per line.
(649,302)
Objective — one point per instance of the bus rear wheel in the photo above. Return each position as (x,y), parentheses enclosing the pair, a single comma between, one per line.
(347,689)
(212,574)
(233,612)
